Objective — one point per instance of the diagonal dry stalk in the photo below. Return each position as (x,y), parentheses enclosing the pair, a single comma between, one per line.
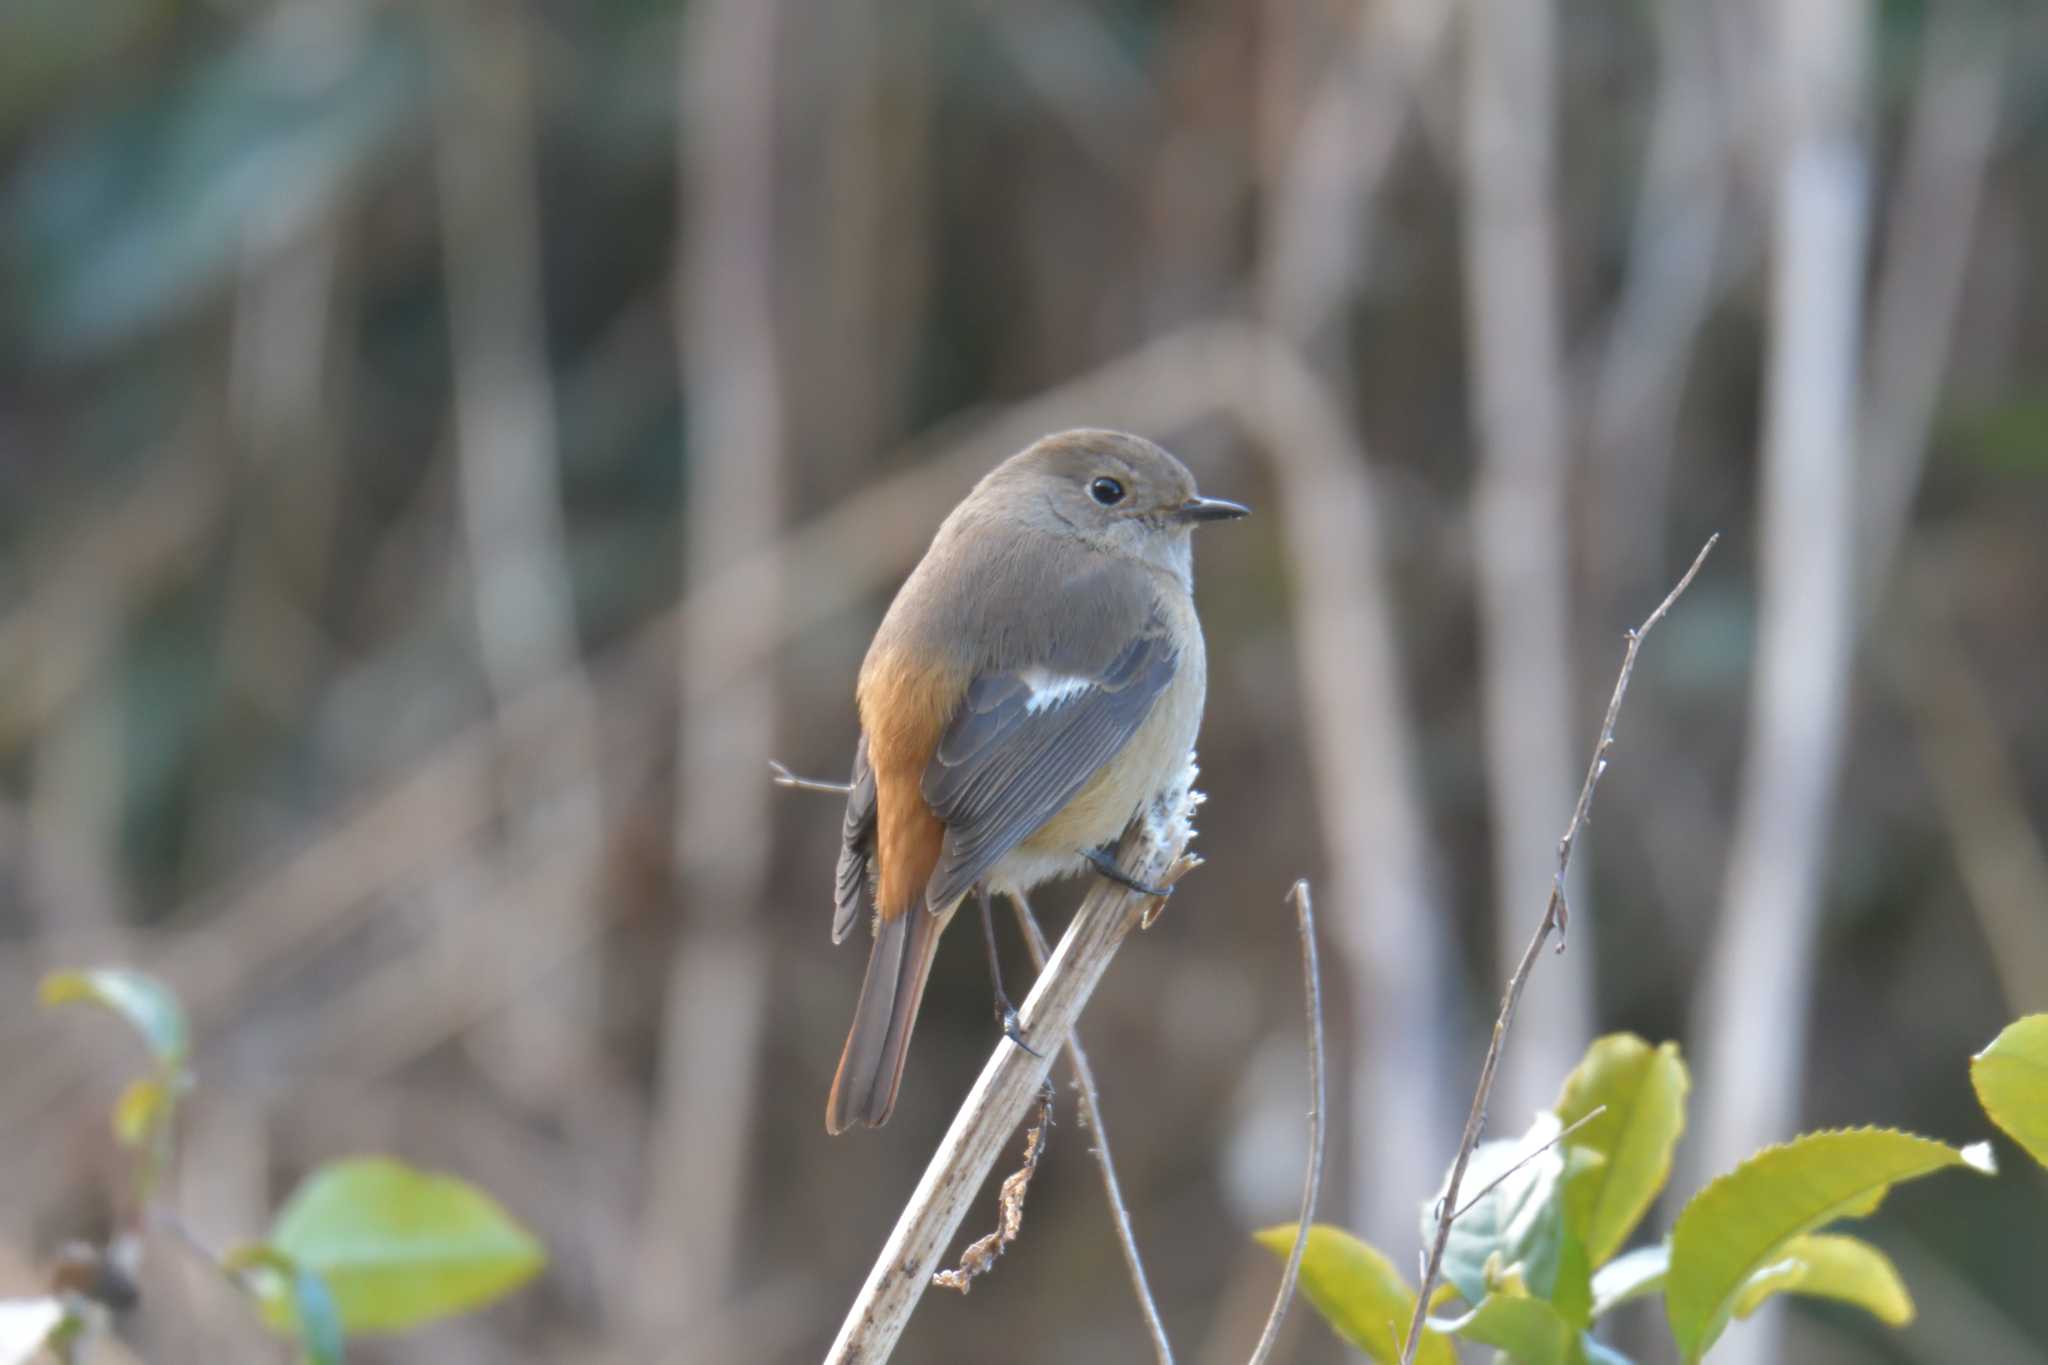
(1091,1115)
(1555,914)
(1153,851)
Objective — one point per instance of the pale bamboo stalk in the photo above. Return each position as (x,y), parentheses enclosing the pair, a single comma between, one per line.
(1387,925)
(1749,1026)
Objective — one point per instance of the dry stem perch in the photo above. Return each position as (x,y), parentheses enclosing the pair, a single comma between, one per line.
(1555,914)
(1153,851)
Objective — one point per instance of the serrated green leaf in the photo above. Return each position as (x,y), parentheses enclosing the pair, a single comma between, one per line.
(146,1003)
(2011,1079)
(1832,1266)
(25,1324)
(1358,1292)
(1630,1275)
(1742,1221)
(1644,1091)
(1529,1330)
(398,1247)
(1517,1225)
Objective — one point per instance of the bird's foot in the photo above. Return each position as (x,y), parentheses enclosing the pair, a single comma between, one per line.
(1106,865)
(1013,1026)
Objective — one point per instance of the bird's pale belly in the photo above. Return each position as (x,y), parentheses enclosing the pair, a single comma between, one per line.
(1100,811)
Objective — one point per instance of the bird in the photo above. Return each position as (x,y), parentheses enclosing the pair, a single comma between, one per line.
(1039,678)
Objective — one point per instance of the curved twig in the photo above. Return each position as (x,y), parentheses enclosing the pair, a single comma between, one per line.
(1312,1180)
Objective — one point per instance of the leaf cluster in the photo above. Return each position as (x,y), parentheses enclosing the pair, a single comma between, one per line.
(1538,1258)
(363,1245)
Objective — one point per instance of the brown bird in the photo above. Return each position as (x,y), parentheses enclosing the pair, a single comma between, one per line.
(1036,682)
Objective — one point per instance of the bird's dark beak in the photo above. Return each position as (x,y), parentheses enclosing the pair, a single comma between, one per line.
(1197,510)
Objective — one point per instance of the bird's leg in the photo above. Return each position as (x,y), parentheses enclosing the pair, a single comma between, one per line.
(1006,1013)
(1106,865)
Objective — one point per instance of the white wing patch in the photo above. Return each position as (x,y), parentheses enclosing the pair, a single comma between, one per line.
(1050,689)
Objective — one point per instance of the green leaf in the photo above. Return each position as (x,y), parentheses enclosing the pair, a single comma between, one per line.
(1644,1090)
(25,1324)
(1742,1221)
(2011,1077)
(1832,1266)
(1630,1275)
(1529,1330)
(399,1247)
(1515,1226)
(142,1000)
(1573,1296)
(1358,1292)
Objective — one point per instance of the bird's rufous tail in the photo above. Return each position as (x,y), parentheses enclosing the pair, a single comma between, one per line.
(871,1067)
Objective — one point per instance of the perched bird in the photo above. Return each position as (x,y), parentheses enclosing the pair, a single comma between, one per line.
(1038,679)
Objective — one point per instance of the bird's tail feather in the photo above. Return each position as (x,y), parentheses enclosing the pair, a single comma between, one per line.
(871,1067)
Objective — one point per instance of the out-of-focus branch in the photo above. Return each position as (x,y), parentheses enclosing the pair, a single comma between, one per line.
(1286,384)
(1749,1019)
(1091,1115)
(698,1150)
(1154,848)
(1978,791)
(1312,1177)
(1675,241)
(1931,224)
(511,515)
(1553,915)
(1520,530)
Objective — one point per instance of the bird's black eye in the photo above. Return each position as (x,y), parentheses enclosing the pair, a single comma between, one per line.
(1106,491)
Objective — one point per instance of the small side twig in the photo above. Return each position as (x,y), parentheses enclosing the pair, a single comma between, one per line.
(1553,915)
(1311,1185)
(981,1257)
(785,778)
(1091,1116)
(1559,1136)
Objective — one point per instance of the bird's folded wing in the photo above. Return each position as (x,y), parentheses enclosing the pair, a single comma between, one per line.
(1023,743)
(856,844)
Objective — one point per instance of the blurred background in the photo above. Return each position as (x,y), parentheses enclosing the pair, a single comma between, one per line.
(447,450)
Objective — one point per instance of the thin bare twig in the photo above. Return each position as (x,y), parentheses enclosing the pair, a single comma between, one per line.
(1312,1180)
(1091,1115)
(1553,913)
(1490,1186)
